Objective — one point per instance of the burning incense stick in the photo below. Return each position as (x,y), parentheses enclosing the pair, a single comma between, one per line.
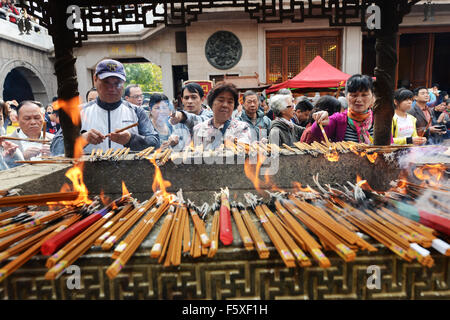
(25,139)
(38,199)
(123,129)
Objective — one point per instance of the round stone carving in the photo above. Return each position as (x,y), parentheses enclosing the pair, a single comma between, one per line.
(223,50)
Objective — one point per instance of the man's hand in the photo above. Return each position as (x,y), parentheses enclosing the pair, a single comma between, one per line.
(173,140)
(321,117)
(121,138)
(93,136)
(9,148)
(419,140)
(45,150)
(176,117)
(435,129)
(31,152)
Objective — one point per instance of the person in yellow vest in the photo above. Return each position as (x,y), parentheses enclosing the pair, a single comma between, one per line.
(403,124)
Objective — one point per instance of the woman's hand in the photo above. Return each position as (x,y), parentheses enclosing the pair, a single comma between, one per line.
(321,117)
(419,140)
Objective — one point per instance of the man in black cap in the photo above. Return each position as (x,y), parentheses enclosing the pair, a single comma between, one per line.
(109,112)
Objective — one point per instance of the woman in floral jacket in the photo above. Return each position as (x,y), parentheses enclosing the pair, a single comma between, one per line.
(212,133)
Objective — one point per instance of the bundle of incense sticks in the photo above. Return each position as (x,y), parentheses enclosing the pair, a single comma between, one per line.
(32,247)
(144,153)
(144,228)
(301,229)
(73,250)
(51,245)
(386,232)
(44,198)
(174,236)
(109,154)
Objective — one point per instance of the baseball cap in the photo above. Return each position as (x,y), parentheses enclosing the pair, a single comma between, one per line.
(110,68)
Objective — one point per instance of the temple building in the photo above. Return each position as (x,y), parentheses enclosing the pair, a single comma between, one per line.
(216,46)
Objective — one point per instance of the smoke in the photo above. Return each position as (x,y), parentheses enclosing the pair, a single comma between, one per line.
(423,155)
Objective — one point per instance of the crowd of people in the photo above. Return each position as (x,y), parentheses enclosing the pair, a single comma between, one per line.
(421,117)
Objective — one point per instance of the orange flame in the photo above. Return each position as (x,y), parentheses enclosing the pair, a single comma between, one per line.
(253,176)
(299,188)
(70,107)
(332,156)
(105,200)
(430,172)
(125,191)
(75,174)
(363,184)
(372,157)
(80,143)
(159,183)
(401,183)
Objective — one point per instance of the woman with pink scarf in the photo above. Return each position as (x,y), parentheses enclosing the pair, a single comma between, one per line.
(354,124)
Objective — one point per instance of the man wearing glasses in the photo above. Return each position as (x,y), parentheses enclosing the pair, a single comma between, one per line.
(133,94)
(109,112)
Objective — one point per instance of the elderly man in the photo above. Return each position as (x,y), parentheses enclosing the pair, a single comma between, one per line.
(31,121)
(258,122)
(133,94)
(102,117)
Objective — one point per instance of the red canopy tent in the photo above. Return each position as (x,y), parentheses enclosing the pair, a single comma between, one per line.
(317,74)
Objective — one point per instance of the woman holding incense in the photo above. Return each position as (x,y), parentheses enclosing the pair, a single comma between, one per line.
(177,135)
(325,103)
(403,124)
(282,129)
(212,133)
(354,124)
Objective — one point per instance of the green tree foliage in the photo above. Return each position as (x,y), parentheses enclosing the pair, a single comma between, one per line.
(147,75)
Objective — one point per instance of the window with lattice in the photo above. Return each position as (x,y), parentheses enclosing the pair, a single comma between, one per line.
(288,53)
(276,64)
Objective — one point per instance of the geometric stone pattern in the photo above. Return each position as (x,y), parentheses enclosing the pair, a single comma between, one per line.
(217,279)
(106,19)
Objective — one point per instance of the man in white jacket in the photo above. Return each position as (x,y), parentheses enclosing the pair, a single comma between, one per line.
(100,118)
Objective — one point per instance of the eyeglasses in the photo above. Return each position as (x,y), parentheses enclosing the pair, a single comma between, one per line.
(137,97)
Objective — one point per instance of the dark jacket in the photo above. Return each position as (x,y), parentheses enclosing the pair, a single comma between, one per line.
(262,127)
(281,132)
(422,123)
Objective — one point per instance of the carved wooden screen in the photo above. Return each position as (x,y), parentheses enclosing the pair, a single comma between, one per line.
(288,53)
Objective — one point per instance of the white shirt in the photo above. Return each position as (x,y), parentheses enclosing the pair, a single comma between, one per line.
(28,144)
(405,126)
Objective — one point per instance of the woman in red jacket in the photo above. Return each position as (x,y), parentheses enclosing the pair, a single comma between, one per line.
(356,123)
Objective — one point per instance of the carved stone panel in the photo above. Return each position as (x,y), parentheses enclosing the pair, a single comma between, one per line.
(223,50)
